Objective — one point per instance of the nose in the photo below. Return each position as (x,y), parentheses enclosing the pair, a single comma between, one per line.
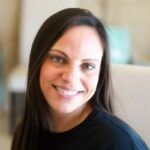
(71,74)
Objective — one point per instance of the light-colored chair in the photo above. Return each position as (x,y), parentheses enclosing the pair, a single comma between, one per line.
(131,95)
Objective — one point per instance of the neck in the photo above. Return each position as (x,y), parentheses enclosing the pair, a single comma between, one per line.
(65,122)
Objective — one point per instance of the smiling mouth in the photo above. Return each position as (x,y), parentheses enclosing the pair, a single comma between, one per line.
(67,92)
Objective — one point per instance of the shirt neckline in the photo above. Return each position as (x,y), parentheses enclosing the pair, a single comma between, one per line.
(75,129)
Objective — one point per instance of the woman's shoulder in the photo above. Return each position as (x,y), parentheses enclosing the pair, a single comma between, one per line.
(118,133)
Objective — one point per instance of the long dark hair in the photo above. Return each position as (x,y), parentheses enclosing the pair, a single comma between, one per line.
(36,118)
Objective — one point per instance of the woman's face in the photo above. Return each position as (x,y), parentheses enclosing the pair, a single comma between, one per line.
(70,72)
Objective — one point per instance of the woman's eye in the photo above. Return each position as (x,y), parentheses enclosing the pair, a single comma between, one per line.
(88,66)
(57,59)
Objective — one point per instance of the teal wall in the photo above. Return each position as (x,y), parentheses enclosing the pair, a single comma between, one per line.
(120,45)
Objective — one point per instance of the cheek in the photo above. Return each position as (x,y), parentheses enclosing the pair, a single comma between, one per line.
(43,71)
(92,81)
(42,77)
(46,71)
(45,74)
(48,74)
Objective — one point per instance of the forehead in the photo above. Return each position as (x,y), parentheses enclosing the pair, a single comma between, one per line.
(83,40)
(81,31)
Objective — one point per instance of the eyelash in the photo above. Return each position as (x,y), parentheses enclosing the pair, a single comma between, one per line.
(88,66)
(57,59)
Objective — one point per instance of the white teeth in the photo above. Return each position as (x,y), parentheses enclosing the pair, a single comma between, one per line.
(67,92)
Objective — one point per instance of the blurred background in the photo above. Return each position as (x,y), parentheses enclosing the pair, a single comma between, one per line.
(127,23)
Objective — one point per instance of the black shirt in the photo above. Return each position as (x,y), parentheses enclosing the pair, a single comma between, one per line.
(99,131)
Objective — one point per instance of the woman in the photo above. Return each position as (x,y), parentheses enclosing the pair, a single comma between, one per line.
(68,98)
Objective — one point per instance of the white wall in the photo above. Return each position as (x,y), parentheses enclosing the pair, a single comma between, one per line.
(33,14)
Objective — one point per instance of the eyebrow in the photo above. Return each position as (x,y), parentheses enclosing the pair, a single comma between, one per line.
(59,51)
(87,59)
(91,59)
